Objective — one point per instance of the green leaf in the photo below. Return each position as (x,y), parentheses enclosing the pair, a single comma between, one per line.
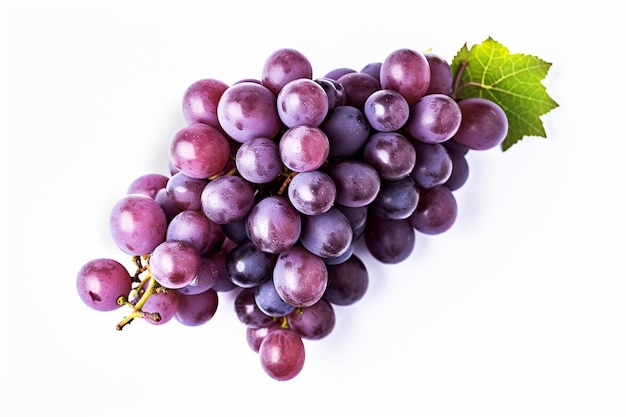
(513,81)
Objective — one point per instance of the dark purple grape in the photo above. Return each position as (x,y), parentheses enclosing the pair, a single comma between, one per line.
(270,302)
(435,118)
(407,72)
(185,191)
(248,312)
(440,75)
(389,241)
(314,322)
(248,267)
(327,235)
(433,165)
(347,130)
(483,125)
(358,87)
(386,110)
(227,199)
(391,154)
(334,92)
(347,282)
(436,211)
(300,277)
(396,199)
(196,309)
(357,182)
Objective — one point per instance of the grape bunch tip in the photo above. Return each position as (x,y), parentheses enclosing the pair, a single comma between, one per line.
(271,183)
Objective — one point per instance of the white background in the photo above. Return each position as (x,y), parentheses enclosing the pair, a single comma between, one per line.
(518,310)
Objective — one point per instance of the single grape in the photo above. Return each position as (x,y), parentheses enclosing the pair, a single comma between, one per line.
(258,160)
(270,302)
(248,267)
(248,312)
(148,184)
(386,110)
(357,182)
(303,148)
(436,211)
(357,216)
(200,101)
(391,154)
(196,229)
(137,224)
(483,126)
(373,69)
(389,241)
(273,224)
(282,354)
(337,73)
(248,110)
(185,191)
(327,235)
(440,75)
(199,150)
(358,86)
(396,199)
(169,206)
(433,164)
(212,267)
(174,264)
(302,102)
(460,171)
(314,322)
(347,282)
(407,72)
(312,192)
(334,92)
(163,303)
(254,336)
(196,309)
(226,199)
(300,277)
(100,282)
(435,118)
(282,66)
(347,130)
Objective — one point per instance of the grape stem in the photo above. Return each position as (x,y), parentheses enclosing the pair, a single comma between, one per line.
(152,288)
(456,87)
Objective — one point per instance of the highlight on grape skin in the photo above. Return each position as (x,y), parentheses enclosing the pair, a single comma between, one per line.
(271,184)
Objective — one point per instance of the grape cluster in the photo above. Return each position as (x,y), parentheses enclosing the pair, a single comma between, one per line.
(271,183)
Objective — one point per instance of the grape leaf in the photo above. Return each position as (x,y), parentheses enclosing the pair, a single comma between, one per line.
(513,81)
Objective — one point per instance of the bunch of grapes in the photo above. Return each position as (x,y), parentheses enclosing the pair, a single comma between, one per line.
(271,184)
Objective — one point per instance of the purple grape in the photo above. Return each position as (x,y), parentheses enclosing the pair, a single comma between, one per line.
(258,160)
(196,229)
(273,224)
(163,303)
(212,266)
(248,312)
(302,102)
(200,101)
(433,165)
(436,211)
(255,337)
(347,282)
(282,354)
(407,72)
(337,73)
(270,302)
(100,282)
(391,154)
(137,224)
(282,66)
(327,235)
(312,192)
(386,110)
(185,191)
(196,309)
(347,130)
(227,199)
(314,322)
(460,171)
(389,241)
(300,277)
(303,148)
(148,185)
(373,69)
(357,216)
(440,75)
(248,267)
(216,267)
(236,230)
(435,118)
(174,264)
(483,125)
(248,110)
(396,199)
(358,87)
(169,206)
(334,92)
(357,182)
(199,151)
